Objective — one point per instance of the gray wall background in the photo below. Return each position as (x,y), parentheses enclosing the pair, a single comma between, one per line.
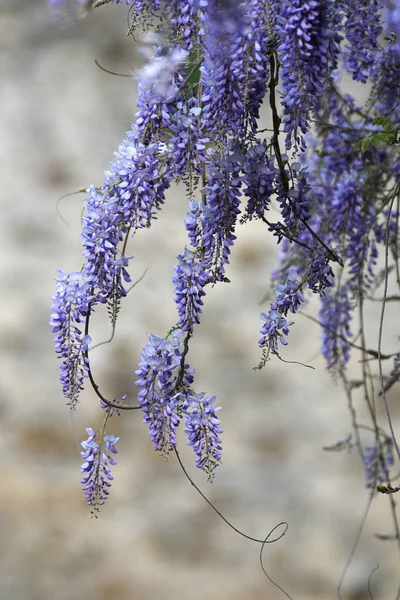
(61,118)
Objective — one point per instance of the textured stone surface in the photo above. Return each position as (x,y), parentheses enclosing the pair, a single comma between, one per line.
(60,120)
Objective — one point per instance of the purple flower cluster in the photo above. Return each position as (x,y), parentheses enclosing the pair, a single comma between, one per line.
(189,280)
(308,50)
(335,318)
(211,224)
(274,331)
(290,296)
(234,72)
(222,195)
(295,204)
(377,461)
(98,457)
(162,374)
(188,143)
(276,327)
(203,431)
(260,176)
(132,191)
(362,29)
(165,395)
(223,72)
(70,308)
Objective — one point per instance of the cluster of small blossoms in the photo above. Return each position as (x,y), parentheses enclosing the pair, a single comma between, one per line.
(161,375)
(362,29)
(98,457)
(377,461)
(189,279)
(203,431)
(166,395)
(222,196)
(70,308)
(335,317)
(276,327)
(260,175)
(198,104)
(308,51)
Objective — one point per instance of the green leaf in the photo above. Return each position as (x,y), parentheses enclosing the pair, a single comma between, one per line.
(384,122)
(366,143)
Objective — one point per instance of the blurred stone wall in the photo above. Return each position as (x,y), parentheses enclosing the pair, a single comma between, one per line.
(61,118)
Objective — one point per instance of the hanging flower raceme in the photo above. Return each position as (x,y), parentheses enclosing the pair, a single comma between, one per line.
(98,457)
(69,309)
(260,176)
(276,327)
(189,280)
(308,50)
(203,431)
(222,196)
(335,317)
(166,395)
(132,192)
(377,461)
(189,144)
(362,29)
(274,331)
(161,379)
(234,72)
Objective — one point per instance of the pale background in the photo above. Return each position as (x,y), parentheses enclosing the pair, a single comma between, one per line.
(61,118)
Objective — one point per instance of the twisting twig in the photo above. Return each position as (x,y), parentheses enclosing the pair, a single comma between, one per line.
(369,581)
(78,191)
(110,339)
(112,72)
(92,380)
(262,562)
(221,516)
(263,542)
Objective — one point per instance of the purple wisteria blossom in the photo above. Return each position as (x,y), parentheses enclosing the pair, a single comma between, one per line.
(235,67)
(132,192)
(276,327)
(189,280)
(222,196)
(166,396)
(203,431)
(260,176)
(295,203)
(362,29)
(98,457)
(377,461)
(274,331)
(308,51)
(335,317)
(163,375)
(189,144)
(290,296)
(69,309)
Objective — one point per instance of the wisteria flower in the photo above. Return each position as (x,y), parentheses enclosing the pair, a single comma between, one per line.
(98,457)
(203,431)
